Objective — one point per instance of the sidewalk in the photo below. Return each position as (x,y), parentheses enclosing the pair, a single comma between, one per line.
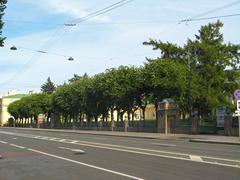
(216,139)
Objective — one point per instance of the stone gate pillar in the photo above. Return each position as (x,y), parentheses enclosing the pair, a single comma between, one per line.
(167,112)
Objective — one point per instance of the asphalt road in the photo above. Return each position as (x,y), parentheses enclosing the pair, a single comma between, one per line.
(41,155)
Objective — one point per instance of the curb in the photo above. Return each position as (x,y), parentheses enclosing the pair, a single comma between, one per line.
(214,142)
(190,139)
(91,133)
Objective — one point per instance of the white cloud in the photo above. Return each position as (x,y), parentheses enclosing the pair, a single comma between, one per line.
(74,9)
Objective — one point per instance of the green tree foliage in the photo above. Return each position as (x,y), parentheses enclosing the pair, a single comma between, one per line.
(2,7)
(166,78)
(77,78)
(97,103)
(70,101)
(123,85)
(13,109)
(30,107)
(207,58)
(48,87)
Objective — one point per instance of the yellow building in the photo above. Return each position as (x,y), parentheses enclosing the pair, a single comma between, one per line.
(4,103)
(150,114)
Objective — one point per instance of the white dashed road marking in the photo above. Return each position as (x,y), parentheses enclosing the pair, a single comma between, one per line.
(73,150)
(21,147)
(52,139)
(195,158)
(88,165)
(166,145)
(3,142)
(62,140)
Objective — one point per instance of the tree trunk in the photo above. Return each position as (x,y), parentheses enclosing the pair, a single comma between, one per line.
(143,112)
(74,121)
(96,121)
(48,118)
(31,121)
(25,122)
(89,121)
(112,115)
(128,115)
(118,115)
(121,115)
(65,120)
(81,119)
(156,108)
(36,120)
(133,112)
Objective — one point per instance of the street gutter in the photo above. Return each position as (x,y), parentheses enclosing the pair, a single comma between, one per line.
(214,141)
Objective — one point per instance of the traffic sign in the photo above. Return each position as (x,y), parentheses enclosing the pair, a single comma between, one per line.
(238,105)
(237,94)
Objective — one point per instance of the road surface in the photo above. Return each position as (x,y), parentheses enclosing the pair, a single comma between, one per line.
(26,154)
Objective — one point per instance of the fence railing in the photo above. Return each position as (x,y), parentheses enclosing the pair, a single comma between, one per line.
(204,126)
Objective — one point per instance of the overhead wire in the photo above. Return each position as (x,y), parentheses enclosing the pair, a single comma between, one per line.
(82,19)
(70,24)
(211,17)
(89,16)
(47,52)
(85,18)
(93,15)
(34,58)
(43,52)
(120,3)
(96,13)
(102,11)
(212,11)
(174,25)
(123,2)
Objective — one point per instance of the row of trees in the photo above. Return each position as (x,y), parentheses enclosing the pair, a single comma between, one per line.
(201,74)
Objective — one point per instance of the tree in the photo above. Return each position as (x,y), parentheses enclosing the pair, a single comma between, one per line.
(62,99)
(30,107)
(207,59)
(48,87)
(41,104)
(69,100)
(97,101)
(213,57)
(165,79)
(13,109)
(2,7)
(123,83)
(77,78)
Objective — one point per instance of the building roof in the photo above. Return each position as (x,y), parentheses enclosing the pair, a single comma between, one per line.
(16,96)
(169,100)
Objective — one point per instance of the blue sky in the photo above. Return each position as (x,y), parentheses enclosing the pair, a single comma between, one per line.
(107,41)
